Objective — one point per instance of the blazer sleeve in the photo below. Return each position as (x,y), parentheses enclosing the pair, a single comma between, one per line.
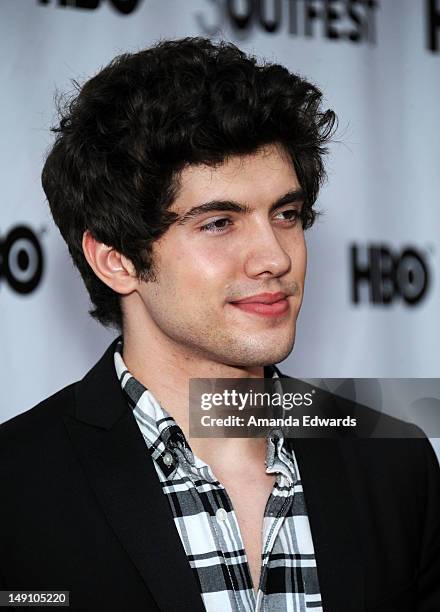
(429,565)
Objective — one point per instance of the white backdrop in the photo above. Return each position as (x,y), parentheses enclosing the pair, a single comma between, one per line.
(383,187)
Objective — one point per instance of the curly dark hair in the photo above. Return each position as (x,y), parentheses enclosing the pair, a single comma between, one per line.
(126,135)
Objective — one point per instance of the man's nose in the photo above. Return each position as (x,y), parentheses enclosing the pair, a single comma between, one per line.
(265,254)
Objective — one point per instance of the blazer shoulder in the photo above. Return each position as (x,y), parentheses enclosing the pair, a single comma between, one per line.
(41,418)
(44,423)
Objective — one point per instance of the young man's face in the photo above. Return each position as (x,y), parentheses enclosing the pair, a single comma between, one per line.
(217,255)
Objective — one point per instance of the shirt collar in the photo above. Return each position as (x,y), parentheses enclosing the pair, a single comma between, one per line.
(164,437)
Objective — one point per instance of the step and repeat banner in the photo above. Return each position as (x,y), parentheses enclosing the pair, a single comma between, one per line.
(371,307)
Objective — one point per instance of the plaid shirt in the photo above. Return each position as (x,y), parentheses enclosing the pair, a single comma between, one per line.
(207,524)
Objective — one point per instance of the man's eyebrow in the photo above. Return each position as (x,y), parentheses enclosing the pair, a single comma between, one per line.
(295,195)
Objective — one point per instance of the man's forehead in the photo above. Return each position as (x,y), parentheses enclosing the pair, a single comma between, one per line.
(264,175)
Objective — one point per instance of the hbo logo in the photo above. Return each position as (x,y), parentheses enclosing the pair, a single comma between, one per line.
(389,274)
(21,259)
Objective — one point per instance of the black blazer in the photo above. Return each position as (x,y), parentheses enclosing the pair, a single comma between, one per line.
(82,509)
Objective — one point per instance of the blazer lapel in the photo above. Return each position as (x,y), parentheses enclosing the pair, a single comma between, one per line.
(333,523)
(333,519)
(114,457)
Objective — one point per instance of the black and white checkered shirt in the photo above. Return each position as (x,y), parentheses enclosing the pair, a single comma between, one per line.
(207,524)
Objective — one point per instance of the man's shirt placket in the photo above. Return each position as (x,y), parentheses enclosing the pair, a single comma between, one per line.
(224,529)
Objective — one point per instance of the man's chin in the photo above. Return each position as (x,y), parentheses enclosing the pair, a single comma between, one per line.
(262,354)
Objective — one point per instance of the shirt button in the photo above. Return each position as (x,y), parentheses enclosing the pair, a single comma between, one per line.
(168,458)
(221,514)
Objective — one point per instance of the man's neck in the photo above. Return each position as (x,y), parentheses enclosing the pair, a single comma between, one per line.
(165,369)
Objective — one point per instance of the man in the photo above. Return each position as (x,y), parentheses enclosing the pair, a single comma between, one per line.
(182,179)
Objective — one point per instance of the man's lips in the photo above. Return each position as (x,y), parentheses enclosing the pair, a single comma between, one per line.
(267,304)
(262,298)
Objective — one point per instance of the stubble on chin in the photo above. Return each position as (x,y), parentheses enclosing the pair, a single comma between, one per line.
(246,350)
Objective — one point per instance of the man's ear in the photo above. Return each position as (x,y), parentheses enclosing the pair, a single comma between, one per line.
(109,265)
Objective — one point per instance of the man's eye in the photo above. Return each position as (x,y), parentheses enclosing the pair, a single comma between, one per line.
(291,214)
(217,226)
